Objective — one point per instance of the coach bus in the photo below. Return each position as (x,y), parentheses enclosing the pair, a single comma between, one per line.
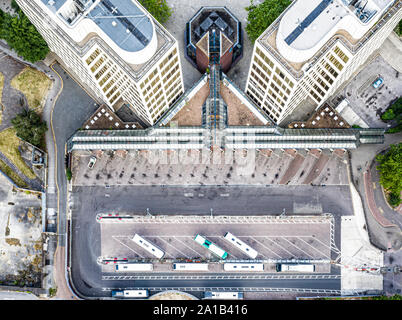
(211,246)
(243,266)
(130,267)
(223,295)
(190,266)
(294,267)
(148,246)
(241,245)
(127,294)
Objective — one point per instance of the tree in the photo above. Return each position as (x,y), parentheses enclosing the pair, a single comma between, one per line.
(390,168)
(159,9)
(394,112)
(261,16)
(22,36)
(30,127)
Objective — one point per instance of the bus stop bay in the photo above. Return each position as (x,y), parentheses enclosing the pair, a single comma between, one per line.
(301,240)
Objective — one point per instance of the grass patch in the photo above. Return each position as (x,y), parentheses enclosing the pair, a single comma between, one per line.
(34,85)
(9,143)
(1,96)
(13,242)
(12,175)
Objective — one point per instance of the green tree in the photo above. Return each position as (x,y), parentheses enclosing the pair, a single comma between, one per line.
(390,168)
(394,112)
(30,127)
(159,9)
(22,36)
(261,16)
(398,29)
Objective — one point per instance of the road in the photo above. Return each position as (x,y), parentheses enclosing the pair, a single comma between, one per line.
(88,201)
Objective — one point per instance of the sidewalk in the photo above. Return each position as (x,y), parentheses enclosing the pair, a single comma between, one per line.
(368,185)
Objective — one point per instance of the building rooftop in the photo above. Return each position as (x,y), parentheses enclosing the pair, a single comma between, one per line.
(308,24)
(129,27)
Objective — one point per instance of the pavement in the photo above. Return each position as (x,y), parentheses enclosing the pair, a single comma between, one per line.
(183,11)
(13,101)
(366,101)
(231,167)
(21,236)
(381,237)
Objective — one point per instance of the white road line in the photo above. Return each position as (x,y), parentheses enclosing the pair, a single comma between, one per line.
(128,247)
(266,248)
(328,257)
(187,246)
(298,248)
(281,247)
(221,237)
(184,255)
(329,247)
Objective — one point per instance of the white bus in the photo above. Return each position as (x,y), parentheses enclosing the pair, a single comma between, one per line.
(190,266)
(223,295)
(130,294)
(243,266)
(241,245)
(294,267)
(129,267)
(148,246)
(211,246)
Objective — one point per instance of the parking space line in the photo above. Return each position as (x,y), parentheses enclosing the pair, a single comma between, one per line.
(298,248)
(220,237)
(328,257)
(266,248)
(280,246)
(128,247)
(187,246)
(329,247)
(184,255)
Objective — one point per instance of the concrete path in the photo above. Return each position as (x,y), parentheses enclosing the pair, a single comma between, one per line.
(391,50)
(361,158)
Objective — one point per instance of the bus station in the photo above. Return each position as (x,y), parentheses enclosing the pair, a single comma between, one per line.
(221,242)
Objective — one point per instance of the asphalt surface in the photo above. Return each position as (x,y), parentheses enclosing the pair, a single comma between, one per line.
(89,201)
(71,110)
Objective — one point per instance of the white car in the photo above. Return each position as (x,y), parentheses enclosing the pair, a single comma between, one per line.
(92,162)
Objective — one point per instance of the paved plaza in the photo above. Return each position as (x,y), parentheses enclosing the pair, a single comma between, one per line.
(366,101)
(272,237)
(266,167)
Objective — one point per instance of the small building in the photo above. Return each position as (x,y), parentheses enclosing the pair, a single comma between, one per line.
(213,33)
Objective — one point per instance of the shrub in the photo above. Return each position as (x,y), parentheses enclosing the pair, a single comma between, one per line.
(390,169)
(261,16)
(69,174)
(158,9)
(22,36)
(29,127)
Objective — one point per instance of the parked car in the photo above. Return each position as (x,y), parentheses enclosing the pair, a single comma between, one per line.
(378,82)
(92,162)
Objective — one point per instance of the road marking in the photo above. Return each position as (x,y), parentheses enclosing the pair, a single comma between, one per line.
(374,185)
(128,246)
(382,211)
(266,247)
(184,255)
(299,249)
(325,256)
(220,276)
(281,246)
(187,246)
(189,195)
(220,237)
(225,194)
